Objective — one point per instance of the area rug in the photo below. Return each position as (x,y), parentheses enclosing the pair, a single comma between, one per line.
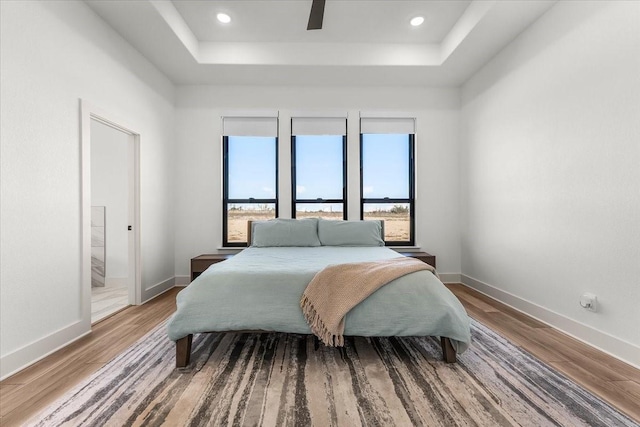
(292,380)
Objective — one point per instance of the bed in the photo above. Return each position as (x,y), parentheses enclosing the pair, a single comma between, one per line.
(260,289)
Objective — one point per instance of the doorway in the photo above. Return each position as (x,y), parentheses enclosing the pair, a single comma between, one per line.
(110,207)
(111,219)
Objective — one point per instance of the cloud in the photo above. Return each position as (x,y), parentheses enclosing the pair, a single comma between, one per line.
(269,191)
(300,189)
(367,190)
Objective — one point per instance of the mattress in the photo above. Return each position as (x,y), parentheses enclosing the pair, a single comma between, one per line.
(260,289)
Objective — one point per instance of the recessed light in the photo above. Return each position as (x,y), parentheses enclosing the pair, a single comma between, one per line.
(224,18)
(418,20)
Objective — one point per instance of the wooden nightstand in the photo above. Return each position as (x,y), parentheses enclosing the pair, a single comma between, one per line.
(422,256)
(200,263)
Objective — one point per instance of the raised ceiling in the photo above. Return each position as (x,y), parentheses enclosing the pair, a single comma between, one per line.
(345,21)
(362,42)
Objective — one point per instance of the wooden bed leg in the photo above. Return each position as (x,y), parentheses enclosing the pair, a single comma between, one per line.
(448,352)
(183,351)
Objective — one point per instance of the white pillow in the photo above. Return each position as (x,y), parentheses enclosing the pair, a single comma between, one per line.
(285,232)
(350,233)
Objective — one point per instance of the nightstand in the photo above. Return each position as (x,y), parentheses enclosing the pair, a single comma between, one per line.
(422,256)
(200,263)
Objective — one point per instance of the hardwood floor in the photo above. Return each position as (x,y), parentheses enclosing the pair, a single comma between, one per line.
(614,381)
(32,389)
(106,300)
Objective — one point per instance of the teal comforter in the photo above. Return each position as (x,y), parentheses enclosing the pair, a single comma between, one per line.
(260,289)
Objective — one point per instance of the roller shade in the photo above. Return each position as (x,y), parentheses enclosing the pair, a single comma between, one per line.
(318,126)
(250,126)
(387,125)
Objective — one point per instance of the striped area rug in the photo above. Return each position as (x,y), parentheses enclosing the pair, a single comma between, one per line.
(292,380)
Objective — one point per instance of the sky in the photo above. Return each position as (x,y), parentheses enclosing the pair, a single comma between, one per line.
(252,167)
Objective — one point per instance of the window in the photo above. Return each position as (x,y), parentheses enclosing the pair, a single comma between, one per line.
(318,168)
(250,177)
(387,180)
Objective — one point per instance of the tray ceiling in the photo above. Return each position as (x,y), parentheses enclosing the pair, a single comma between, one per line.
(362,42)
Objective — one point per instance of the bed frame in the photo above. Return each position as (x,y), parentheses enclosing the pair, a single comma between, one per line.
(183,348)
(183,345)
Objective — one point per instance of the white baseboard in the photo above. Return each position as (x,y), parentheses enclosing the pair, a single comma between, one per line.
(615,347)
(157,289)
(449,277)
(19,359)
(183,280)
(627,352)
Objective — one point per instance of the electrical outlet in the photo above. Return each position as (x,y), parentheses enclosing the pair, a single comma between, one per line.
(589,301)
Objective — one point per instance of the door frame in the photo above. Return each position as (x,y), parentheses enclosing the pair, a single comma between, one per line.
(87,113)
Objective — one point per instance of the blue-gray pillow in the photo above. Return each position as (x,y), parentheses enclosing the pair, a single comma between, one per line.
(350,233)
(285,232)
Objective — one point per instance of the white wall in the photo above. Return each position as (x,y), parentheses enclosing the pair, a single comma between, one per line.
(548,158)
(52,55)
(110,188)
(551,173)
(198,160)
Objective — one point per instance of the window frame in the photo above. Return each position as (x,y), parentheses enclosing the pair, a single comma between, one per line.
(386,200)
(226,201)
(295,200)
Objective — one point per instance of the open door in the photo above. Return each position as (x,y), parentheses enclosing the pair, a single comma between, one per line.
(110,206)
(112,239)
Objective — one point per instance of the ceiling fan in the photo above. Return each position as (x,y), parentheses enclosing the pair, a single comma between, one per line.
(316,15)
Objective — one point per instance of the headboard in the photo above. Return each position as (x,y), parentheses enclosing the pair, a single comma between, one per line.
(249,228)
(249,222)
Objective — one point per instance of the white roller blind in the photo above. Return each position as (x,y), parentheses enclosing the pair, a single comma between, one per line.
(250,126)
(318,126)
(387,125)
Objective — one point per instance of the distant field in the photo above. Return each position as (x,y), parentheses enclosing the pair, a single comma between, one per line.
(396,225)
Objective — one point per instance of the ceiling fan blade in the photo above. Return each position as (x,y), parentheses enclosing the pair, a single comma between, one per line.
(316,16)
